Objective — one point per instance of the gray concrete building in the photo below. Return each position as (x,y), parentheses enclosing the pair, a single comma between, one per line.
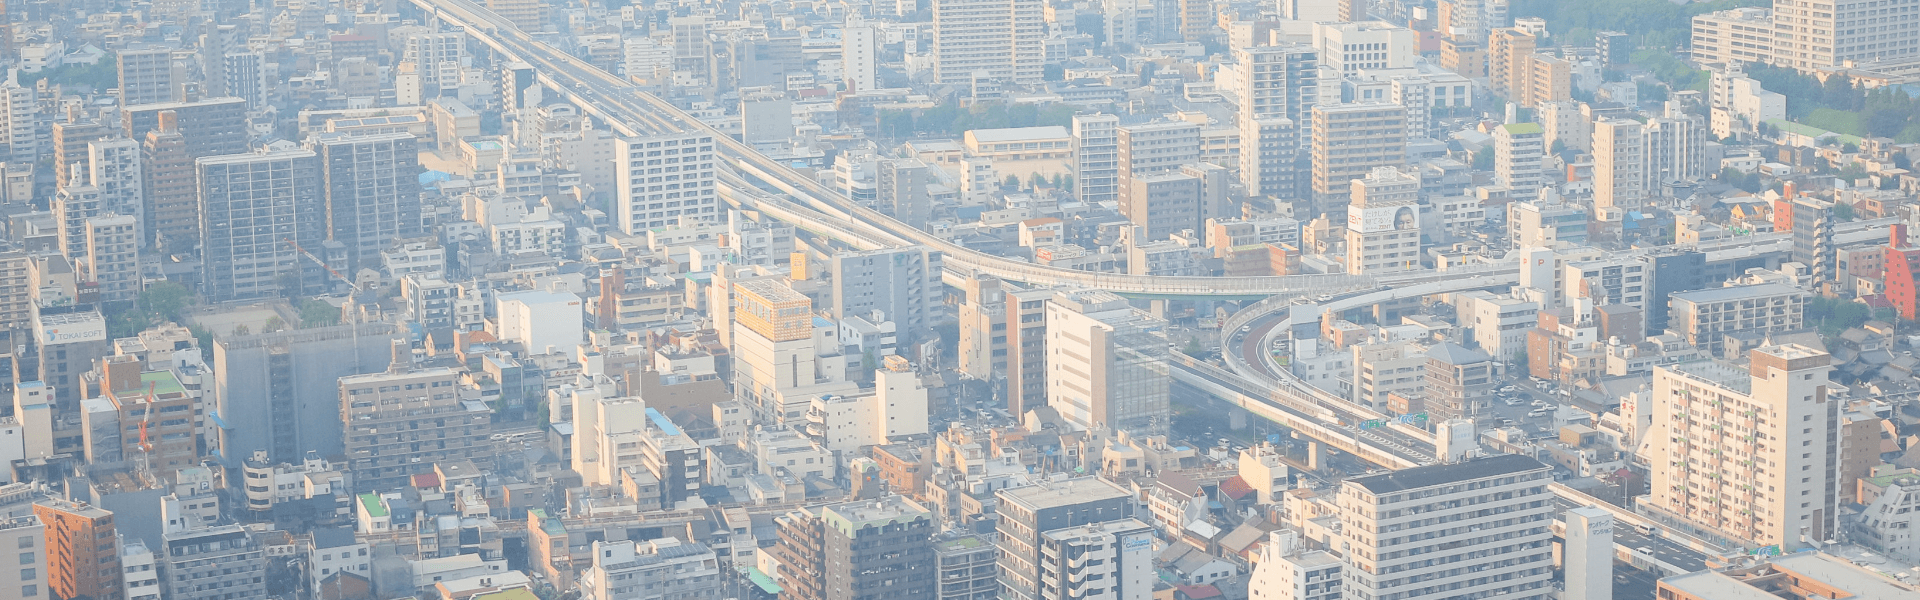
(1475,529)
(1028,513)
(279,392)
(253,208)
(372,191)
(405,420)
(902,283)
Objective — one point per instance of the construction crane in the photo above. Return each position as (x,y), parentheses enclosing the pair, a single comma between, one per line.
(354,323)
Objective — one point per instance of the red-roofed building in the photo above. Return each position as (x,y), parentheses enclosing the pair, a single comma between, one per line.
(1195,592)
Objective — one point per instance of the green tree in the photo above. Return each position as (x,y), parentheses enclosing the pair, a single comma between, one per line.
(1843,212)
(166,300)
(1011,184)
(318,313)
(1483,160)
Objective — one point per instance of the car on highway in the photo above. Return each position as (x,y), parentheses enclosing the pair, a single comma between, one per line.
(1246,328)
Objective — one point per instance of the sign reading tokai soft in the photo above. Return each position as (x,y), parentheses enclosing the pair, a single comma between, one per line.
(1135,542)
(72,328)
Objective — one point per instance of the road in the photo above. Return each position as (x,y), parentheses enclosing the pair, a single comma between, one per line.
(636,112)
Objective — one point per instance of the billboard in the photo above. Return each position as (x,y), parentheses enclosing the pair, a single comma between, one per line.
(1376,219)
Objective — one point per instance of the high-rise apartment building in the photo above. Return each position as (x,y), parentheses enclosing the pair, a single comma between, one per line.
(1746,453)
(1026,319)
(70,142)
(1028,513)
(173,194)
(900,190)
(113,168)
(1278,89)
(1519,154)
(253,209)
(1619,163)
(245,77)
(661,568)
(212,127)
(72,206)
(1509,66)
(663,178)
(1809,36)
(1813,221)
(405,420)
(83,554)
(903,284)
(222,562)
(1003,40)
(882,547)
(1550,79)
(146,76)
(111,260)
(1676,149)
(1474,529)
(1349,141)
(1154,148)
(1705,318)
(1730,37)
(23,535)
(859,57)
(1098,560)
(1383,223)
(1162,205)
(372,184)
(19,122)
(1110,362)
(1096,156)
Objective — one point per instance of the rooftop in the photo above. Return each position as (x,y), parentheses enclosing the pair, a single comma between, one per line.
(1739,292)
(854,516)
(1437,475)
(1050,494)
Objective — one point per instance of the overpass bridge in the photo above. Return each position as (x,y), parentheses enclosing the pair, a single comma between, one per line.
(632,112)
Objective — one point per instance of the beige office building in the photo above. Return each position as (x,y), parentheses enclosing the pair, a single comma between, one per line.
(1383,223)
(1349,141)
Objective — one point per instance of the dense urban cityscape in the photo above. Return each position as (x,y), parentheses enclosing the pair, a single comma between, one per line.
(960,300)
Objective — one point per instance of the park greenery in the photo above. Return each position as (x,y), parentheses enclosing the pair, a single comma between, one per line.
(102,74)
(1841,105)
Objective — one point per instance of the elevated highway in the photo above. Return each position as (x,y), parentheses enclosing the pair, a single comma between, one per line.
(632,111)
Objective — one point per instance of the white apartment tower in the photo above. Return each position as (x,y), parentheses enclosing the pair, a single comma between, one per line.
(1278,87)
(113,167)
(1744,453)
(859,57)
(1810,35)
(662,178)
(1676,149)
(1476,529)
(1383,223)
(1001,39)
(1519,156)
(1619,162)
(19,110)
(1096,157)
(112,246)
